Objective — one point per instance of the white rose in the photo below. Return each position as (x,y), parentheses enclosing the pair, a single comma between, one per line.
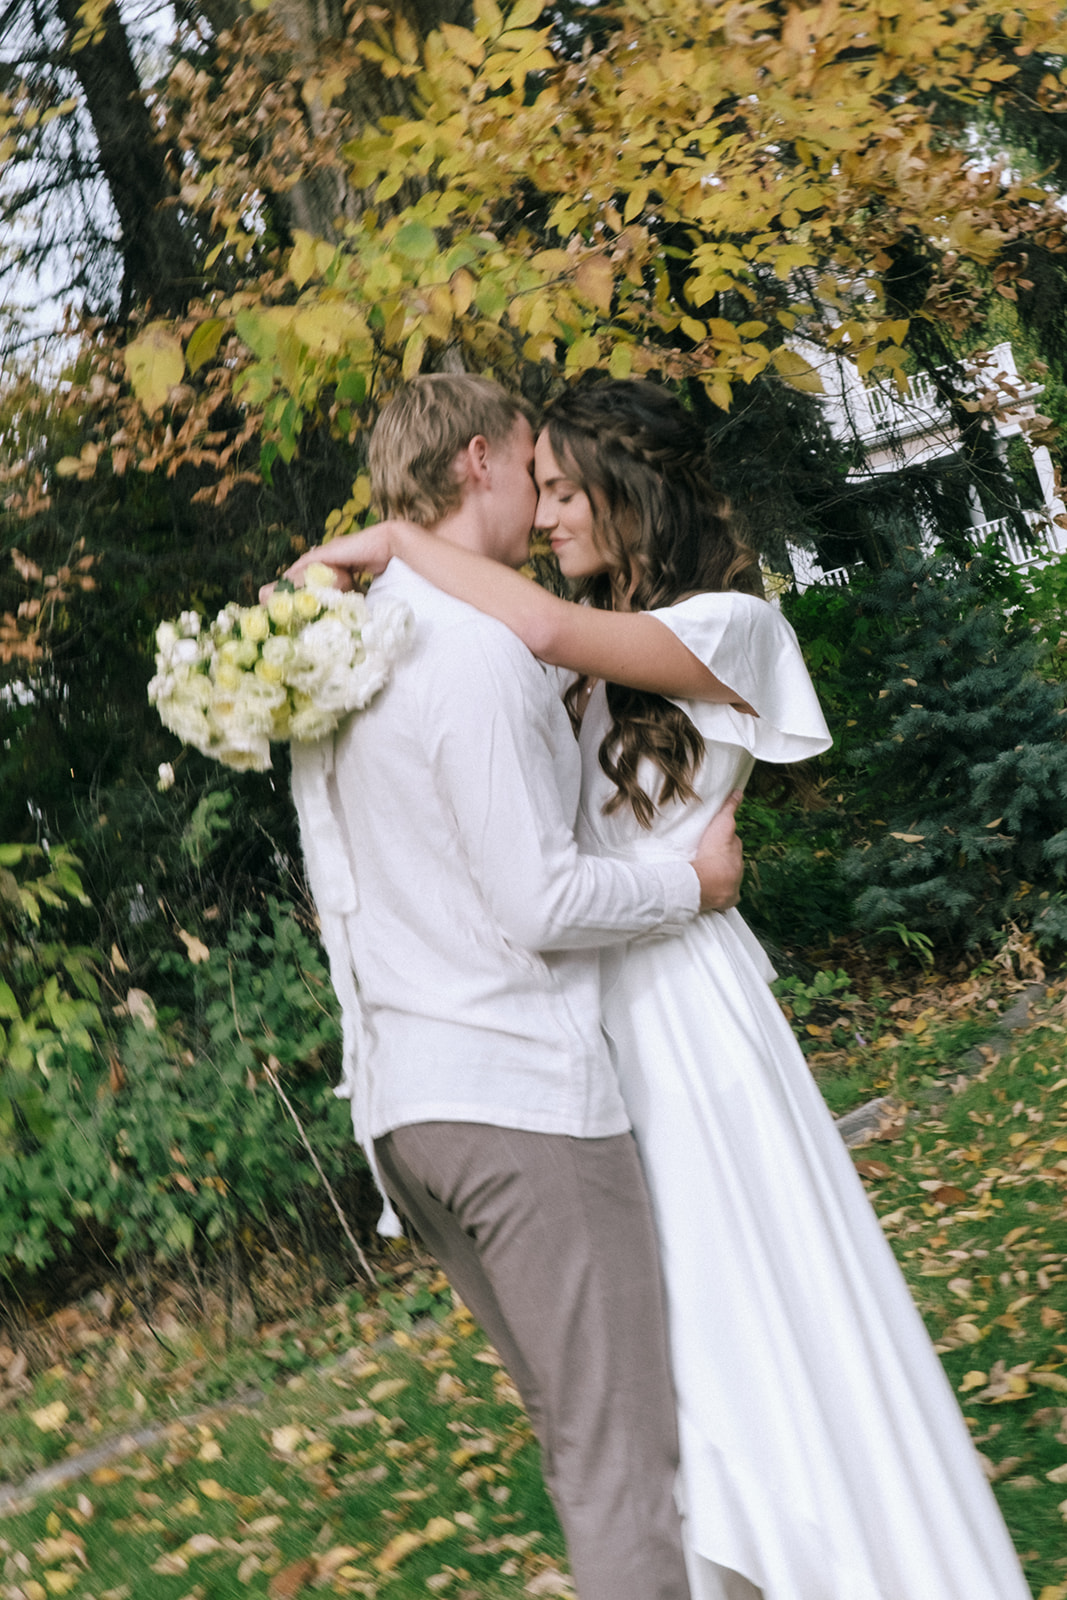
(309,721)
(278,651)
(186,652)
(244,751)
(321,648)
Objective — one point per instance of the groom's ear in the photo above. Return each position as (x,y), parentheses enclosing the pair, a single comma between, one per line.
(472,463)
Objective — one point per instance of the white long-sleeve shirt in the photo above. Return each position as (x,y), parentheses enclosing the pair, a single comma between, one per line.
(474,942)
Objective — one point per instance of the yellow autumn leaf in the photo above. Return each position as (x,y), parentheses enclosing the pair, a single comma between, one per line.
(413,350)
(386,1389)
(795,371)
(211,1489)
(397,1549)
(155,362)
(204,341)
(1051,1380)
(973,1380)
(438,1528)
(595,282)
(333,1559)
(583,353)
(620,361)
(302,257)
(407,45)
(909,838)
(61,1582)
(49,1419)
(288,1439)
(524,14)
(320,1450)
(60,1548)
(462,42)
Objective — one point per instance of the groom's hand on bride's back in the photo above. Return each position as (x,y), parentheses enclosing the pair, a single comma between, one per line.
(719,863)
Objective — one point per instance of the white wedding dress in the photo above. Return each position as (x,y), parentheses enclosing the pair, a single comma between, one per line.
(823,1453)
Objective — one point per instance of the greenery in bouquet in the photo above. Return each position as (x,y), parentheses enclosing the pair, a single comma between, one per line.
(289,669)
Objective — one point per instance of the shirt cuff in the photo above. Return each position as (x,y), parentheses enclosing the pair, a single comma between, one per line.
(681,893)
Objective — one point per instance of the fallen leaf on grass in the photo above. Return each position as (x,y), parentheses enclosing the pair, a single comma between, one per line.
(264,1525)
(171,1565)
(550,1581)
(404,1544)
(62,1548)
(291,1579)
(873,1169)
(337,1557)
(60,1582)
(995,1470)
(211,1489)
(51,1418)
(200,1544)
(386,1389)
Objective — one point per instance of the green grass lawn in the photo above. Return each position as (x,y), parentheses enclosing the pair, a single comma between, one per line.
(387,1453)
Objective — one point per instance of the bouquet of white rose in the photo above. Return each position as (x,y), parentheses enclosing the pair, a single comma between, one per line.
(290,669)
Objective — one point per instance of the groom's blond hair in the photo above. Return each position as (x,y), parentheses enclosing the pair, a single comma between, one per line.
(421,432)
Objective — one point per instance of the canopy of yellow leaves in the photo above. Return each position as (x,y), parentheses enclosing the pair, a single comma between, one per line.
(712,179)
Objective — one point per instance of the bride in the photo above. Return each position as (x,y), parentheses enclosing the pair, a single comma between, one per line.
(823,1454)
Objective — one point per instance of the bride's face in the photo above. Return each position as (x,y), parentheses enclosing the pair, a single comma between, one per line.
(565,516)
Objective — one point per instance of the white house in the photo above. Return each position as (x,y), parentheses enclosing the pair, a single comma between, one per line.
(898,431)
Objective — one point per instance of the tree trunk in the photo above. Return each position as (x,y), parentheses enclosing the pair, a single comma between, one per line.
(324,201)
(159,261)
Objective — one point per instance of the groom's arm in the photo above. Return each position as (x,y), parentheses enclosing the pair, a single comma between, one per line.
(494,762)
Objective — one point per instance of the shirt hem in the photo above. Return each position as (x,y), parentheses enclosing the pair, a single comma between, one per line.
(572,1128)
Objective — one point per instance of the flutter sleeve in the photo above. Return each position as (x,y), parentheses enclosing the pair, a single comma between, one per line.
(749,645)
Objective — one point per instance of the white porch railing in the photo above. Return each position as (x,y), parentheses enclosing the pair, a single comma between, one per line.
(1050,543)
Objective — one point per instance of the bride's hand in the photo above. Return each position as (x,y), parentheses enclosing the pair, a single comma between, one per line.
(368,551)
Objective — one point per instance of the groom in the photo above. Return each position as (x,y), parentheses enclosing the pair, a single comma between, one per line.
(496,1119)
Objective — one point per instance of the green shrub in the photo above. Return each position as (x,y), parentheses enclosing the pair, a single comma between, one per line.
(169,1139)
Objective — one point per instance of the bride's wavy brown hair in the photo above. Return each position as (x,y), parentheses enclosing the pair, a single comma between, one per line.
(666,533)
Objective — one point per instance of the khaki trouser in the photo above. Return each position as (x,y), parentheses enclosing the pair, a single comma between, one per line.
(549,1241)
